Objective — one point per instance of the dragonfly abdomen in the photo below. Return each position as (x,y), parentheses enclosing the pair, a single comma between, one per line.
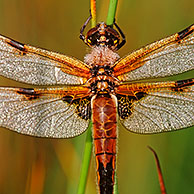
(105,134)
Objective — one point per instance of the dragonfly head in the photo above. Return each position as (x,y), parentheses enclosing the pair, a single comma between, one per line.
(102,35)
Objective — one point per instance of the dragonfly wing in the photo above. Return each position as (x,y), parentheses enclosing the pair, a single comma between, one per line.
(170,56)
(158,107)
(37,66)
(42,112)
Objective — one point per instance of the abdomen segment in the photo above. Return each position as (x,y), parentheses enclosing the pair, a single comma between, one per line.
(105,133)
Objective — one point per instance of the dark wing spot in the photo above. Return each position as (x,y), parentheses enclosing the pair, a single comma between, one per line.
(83,106)
(183,83)
(185,32)
(139,95)
(187,82)
(68,99)
(17,45)
(28,93)
(125,104)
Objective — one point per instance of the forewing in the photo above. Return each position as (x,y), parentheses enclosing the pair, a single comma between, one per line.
(43,113)
(170,56)
(37,66)
(158,107)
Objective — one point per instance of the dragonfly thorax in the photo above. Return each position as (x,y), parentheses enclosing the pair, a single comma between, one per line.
(102,84)
(101,56)
(101,60)
(102,80)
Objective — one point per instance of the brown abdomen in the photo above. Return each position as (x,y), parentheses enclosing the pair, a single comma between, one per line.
(105,133)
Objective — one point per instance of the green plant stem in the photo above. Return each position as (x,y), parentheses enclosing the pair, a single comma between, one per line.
(110,21)
(116,185)
(88,144)
(111,12)
(86,160)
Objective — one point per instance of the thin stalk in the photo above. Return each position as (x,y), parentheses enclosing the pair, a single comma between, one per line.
(88,143)
(111,12)
(110,21)
(86,161)
(93,12)
(160,176)
(116,184)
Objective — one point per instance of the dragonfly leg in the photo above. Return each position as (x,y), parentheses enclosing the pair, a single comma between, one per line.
(81,36)
(122,35)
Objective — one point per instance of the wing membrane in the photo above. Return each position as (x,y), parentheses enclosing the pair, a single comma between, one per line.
(37,66)
(170,56)
(160,109)
(41,112)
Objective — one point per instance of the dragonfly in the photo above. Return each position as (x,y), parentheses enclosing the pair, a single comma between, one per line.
(104,88)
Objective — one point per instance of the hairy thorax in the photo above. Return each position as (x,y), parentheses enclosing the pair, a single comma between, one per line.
(101,56)
(101,60)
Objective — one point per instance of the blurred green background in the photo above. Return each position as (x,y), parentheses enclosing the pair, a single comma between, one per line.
(36,166)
